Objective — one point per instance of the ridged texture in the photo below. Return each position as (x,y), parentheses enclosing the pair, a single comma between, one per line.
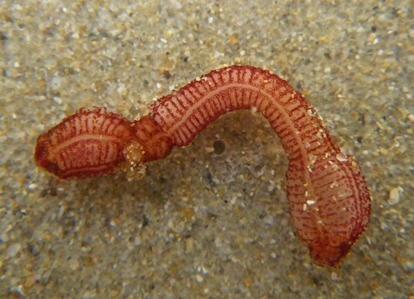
(329,201)
(156,145)
(88,143)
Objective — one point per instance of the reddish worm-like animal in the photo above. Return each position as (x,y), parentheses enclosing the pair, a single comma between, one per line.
(329,200)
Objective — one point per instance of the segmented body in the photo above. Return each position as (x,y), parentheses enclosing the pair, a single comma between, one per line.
(329,200)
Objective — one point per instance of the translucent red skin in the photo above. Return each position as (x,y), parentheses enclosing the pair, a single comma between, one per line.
(329,200)
(85,154)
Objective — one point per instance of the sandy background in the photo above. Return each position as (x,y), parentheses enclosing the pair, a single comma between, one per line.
(201,225)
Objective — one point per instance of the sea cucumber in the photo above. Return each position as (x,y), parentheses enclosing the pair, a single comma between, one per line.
(329,199)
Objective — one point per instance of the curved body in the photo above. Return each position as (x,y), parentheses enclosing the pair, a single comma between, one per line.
(329,200)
